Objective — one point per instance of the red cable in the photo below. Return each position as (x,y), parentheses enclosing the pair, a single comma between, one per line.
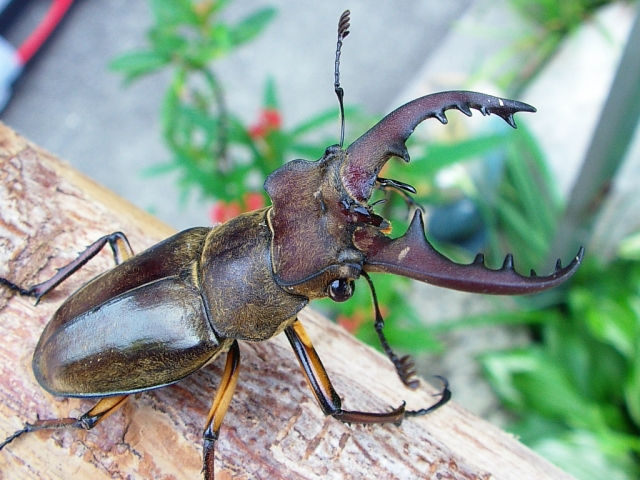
(51,20)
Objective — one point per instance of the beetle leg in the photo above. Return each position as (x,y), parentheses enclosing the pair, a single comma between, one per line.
(99,412)
(401,188)
(404,365)
(121,251)
(220,406)
(319,382)
(445,396)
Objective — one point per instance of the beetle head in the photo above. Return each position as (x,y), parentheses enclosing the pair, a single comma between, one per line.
(324,228)
(312,229)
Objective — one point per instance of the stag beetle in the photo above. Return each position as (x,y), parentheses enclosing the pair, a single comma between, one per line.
(159,316)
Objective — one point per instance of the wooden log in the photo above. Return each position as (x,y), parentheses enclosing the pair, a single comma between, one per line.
(274,428)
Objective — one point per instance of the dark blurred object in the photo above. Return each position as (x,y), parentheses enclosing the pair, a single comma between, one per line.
(459,223)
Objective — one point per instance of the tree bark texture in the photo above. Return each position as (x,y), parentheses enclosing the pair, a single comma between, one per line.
(274,428)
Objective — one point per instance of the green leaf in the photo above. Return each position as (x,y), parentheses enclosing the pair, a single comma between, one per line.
(170,105)
(632,388)
(403,339)
(316,121)
(629,248)
(219,5)
(580,454)
(436,156)
(614,323)
(251,26)
(531,197)
(137,63)
(313,151)
(533,317)
(610,320)
(520,225)
(527,142)
(169,44)
(217,43)
(160,169)
(528,380)
(271,95)
(174,12)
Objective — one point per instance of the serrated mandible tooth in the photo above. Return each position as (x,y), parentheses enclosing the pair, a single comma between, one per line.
(508,262)
(464,108)
(442,117)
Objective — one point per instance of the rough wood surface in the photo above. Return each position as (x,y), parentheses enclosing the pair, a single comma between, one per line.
(274,429)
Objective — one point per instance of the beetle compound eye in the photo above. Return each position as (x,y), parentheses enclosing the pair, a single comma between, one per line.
(341,290)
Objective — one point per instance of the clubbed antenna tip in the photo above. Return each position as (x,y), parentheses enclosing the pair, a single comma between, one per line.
(343,24)
(343,31)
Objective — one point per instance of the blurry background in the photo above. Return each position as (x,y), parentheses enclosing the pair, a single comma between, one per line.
(561,371)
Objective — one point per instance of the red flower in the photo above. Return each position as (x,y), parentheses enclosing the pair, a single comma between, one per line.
(352,323)
(222,211)
(270,119)
(253,201)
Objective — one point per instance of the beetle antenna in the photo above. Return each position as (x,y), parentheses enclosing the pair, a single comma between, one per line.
(343,31)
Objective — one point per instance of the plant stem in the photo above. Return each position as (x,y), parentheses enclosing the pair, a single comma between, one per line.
(223,119)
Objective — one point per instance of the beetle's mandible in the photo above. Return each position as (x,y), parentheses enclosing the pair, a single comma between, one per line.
(247,280)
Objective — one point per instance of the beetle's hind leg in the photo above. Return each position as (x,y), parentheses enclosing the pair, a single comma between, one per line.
(121,251)
(219,408)
(99,412)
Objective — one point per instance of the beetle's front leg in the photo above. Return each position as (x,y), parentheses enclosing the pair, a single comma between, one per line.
(219,408)
(325,394)
(121,251)
(404,365)
(401,188)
